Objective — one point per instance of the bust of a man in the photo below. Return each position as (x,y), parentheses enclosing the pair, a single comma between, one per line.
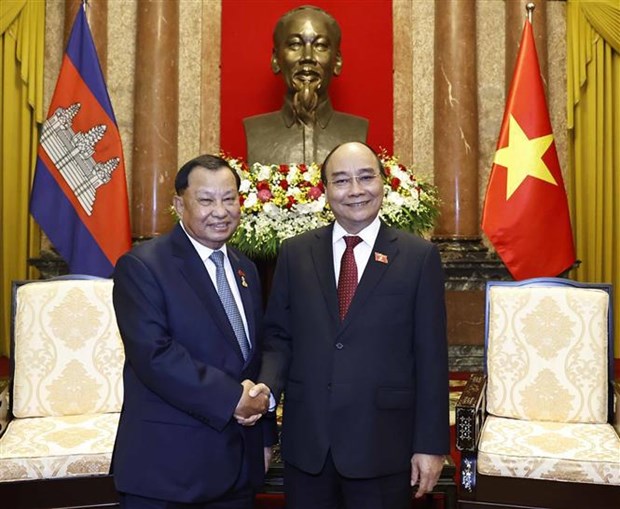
(306,51)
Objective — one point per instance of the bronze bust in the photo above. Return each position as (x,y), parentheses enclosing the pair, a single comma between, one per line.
(306,50)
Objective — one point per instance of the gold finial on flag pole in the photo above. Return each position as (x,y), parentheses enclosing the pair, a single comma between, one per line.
(530,9)
(84,5)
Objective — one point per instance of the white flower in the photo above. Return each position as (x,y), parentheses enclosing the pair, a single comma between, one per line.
(271,209)
(264,172)
(250,201)
(293,171)
(395,198)
(245,186)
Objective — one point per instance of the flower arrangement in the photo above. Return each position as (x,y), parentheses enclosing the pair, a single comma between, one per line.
(280,201)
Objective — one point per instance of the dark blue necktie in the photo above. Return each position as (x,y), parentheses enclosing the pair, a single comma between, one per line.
(228,301)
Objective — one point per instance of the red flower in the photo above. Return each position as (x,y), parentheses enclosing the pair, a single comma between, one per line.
(264,195)
(303,168)
(387,170)
(283,169)
(321,186)
(395,183)
(263,184)
(241,199)
(291,202)
(284,184)
(315,192)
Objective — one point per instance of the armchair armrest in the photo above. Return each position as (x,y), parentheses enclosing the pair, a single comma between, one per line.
(5,415)
(470,412)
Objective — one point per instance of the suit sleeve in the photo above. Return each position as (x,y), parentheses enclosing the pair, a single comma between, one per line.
(277,346)
(160,362)
(432,428)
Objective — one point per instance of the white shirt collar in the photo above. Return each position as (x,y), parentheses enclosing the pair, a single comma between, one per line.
(203,251)
(368,234)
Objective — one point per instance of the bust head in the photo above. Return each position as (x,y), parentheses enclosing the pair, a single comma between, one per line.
(306,50)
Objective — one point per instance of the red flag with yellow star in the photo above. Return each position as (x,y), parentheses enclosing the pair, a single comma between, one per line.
(525,211)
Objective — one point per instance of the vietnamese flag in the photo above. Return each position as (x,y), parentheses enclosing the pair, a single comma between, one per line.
(525,211)
(79,193)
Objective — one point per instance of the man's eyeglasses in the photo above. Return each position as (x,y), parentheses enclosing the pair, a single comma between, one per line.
(362,180)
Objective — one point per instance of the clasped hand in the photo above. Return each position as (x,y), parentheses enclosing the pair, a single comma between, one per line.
(253,404)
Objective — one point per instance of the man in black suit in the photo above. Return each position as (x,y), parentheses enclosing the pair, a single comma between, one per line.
(355,337)
(189,311)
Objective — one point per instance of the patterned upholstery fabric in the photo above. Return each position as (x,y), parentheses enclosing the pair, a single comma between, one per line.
(547,354)
(548,450)
(68,389)
(548,386)
(68,352)
(46,447)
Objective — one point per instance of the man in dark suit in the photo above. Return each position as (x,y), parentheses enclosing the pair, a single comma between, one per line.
(189,311)
(355,337)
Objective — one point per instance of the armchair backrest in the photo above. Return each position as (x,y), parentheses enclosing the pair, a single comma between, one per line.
(67,353)
(547,348)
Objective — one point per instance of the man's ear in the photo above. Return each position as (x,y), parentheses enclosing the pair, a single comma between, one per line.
(338,64)
(275,66)
(177,203)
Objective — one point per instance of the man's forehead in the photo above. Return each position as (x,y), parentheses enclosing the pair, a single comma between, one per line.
(296,21)
(352,158)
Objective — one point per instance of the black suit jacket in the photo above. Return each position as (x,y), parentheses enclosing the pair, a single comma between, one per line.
(374,388)
(177,439)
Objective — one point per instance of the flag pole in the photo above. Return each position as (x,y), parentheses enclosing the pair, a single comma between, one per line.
(529,8)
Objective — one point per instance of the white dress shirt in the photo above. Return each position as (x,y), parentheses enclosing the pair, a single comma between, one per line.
(361,252)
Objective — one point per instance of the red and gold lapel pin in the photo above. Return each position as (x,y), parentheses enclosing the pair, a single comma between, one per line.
(244,283)
(380,257)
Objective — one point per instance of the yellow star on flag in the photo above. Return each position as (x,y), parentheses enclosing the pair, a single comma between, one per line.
(523,157)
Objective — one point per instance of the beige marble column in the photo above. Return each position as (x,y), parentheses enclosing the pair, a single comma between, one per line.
(456,119)
(403,80)
(97,16)
(210,77)
(515,17)
(156,115)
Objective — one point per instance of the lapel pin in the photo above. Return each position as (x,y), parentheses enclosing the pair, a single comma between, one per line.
(244,283)
(380,257)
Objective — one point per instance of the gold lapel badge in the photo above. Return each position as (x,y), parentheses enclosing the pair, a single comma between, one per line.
(244,283)
(380,257)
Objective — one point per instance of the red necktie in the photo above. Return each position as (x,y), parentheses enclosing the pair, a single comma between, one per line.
(347,280)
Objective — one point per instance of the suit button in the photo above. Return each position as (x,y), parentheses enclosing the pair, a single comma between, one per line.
(339,346)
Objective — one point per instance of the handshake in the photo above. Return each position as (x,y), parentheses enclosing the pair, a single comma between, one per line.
(254,402)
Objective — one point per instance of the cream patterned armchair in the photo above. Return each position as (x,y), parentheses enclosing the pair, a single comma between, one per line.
(537,430)
(64,398)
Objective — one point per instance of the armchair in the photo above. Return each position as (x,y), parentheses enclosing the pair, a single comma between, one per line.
(536,430)
(64,397)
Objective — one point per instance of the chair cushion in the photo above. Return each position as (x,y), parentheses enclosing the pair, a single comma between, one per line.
(68,352)
(548,450)
(547,354)
(48,447)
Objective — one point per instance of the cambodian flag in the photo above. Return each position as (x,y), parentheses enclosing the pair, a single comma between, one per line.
(79,194)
